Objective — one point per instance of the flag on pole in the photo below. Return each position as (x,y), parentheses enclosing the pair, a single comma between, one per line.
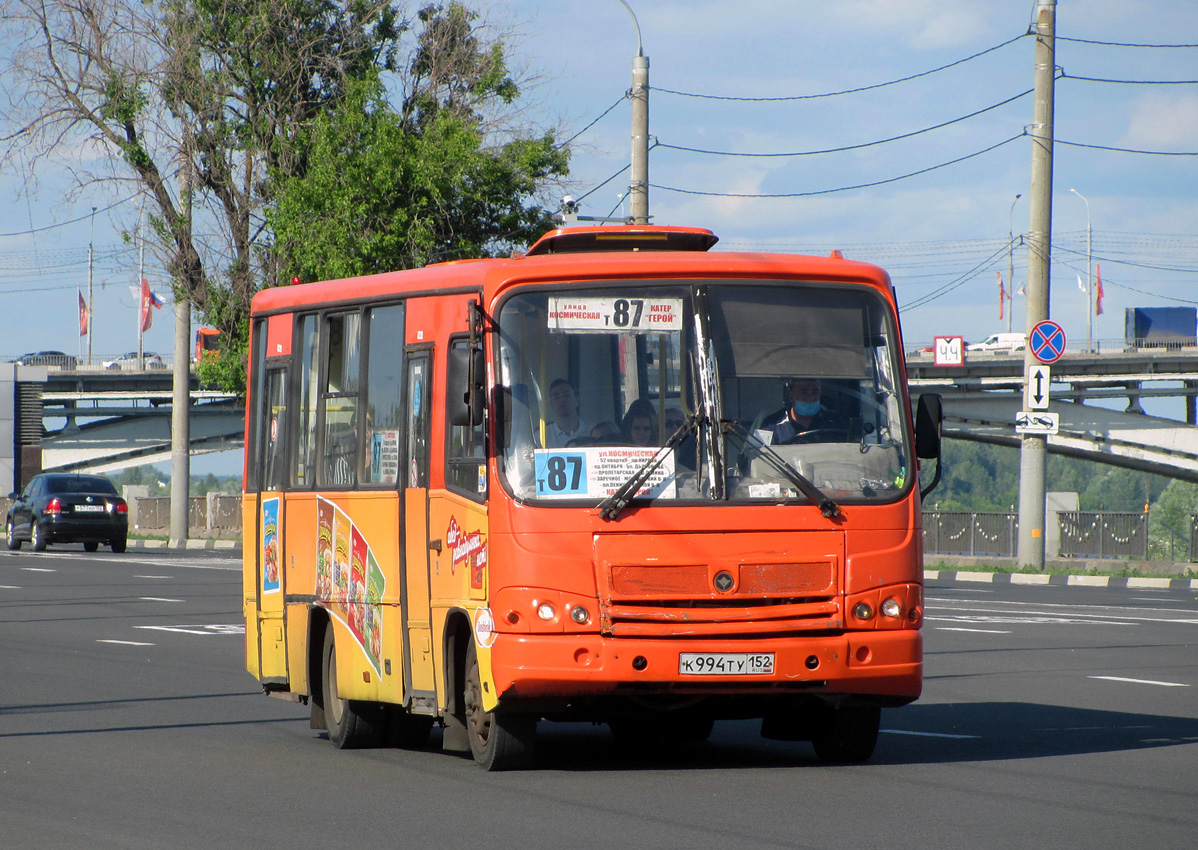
(84,315)
(1098,292)
(148,299)
(1080,285)
(1002,295)
(1022,289)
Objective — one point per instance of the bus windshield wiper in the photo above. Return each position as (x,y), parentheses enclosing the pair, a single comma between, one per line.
(611,507)
(826,506)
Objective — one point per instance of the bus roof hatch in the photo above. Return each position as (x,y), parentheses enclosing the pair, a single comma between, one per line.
(649,237)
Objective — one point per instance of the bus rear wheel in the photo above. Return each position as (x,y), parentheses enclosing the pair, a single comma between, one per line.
(498,741)
(351,724)
(847,734)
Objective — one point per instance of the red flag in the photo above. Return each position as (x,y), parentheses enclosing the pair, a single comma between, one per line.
(1098,295)
(148,300)
(84,315)
(1002,295)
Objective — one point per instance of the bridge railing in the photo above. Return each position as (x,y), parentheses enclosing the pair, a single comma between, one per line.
(970,533)
(216,512)
(1104,534)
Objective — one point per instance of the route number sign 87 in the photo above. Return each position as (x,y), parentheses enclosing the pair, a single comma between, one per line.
(561,474)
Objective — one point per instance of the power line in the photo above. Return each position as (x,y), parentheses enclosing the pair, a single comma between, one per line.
(1065,76)
(1125,150)
(852,147)
(596,121)
(845,91)
(65,223)
(1120,43)
(841,188)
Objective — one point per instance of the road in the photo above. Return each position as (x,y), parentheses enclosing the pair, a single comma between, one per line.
(1051,717)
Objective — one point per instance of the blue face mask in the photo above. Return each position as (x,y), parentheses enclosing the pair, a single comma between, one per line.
(805,408)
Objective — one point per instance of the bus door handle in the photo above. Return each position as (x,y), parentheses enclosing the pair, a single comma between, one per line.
(435,545)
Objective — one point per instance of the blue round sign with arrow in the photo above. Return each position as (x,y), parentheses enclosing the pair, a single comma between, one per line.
(1047,341)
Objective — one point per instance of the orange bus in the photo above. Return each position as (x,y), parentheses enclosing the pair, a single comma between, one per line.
(207,342)
(589,482)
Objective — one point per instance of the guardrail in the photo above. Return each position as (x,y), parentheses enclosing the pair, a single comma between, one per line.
(970,533)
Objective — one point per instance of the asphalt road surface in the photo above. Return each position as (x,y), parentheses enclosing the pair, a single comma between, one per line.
(1051,718)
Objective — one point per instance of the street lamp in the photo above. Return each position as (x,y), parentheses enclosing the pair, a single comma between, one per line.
(638,185)
(1011,261)
(1089,275)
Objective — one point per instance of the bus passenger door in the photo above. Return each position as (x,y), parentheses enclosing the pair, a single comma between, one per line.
(419,677)
(267,537)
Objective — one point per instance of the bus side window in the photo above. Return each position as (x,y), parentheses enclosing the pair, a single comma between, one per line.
(382,394)
(466,455)
(339,455)
(307,403)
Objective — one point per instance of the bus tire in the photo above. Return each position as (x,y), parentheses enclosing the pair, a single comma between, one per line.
(498,741)
(847,734)
(351,724)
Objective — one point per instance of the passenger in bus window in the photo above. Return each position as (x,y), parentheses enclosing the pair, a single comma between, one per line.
(805,419)
(566,424)
(638,428)
(605,434)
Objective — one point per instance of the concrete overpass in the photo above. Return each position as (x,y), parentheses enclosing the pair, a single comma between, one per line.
(983,396)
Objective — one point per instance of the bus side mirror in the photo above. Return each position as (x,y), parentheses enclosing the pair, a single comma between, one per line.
(928,420)
(465,399)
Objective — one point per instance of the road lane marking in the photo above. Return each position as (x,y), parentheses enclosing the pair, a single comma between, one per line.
(153,576)
(1140,681)
(216,629)
(38,570)
(979,631)
(9,587)
(160,599)
(126,642)
(927,734)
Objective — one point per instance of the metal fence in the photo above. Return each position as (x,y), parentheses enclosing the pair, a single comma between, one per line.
(1104,534)
(970,533)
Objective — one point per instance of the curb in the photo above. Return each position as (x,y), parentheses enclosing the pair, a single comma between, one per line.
(228,545)
(1120,582)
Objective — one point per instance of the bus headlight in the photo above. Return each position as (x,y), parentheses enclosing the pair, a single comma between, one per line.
(863,611)
(892,608)
(546,612)
(580,615)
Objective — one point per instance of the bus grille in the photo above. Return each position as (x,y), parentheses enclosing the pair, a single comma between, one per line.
(647,600)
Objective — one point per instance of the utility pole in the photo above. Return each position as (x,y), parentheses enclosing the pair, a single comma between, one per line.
(1034,450)
(638,186)
(141,296)
(1011,264)
(181,382)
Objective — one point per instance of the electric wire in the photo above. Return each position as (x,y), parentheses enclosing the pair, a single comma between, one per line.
(841,188)
(852,147)
(845,91)
(1124,150)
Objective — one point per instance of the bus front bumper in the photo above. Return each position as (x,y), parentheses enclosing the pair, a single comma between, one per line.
(874,663)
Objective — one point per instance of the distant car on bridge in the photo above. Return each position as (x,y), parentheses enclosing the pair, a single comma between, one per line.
(150,360)
(1000,342)
(48,358)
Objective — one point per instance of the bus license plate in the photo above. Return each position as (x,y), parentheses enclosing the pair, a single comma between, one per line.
(726,663)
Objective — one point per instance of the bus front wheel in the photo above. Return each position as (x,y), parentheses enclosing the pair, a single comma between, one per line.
(351,724)
(846,734)
(498,741)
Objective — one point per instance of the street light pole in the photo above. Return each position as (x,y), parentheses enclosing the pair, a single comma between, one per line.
(638,185)
(1011,263)
(1089,276)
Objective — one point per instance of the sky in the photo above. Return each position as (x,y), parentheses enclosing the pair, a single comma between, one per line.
(742,78)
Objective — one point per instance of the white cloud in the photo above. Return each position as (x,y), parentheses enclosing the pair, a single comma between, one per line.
(1163,121)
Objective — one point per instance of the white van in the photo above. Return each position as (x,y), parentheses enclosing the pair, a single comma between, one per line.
(1000,342)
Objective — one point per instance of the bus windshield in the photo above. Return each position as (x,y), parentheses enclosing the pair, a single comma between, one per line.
(726,391)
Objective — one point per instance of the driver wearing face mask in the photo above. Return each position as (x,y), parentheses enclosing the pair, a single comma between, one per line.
(804,418)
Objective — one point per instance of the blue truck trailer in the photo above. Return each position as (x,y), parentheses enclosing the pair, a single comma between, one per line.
(1155,327)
